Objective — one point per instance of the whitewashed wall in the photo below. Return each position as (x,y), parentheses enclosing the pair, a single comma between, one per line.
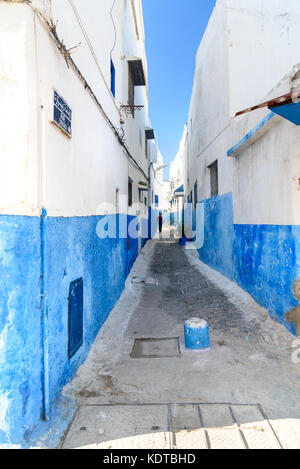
(247,48)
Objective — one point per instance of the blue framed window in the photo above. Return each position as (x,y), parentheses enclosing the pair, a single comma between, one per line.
(112,78)
(156,201)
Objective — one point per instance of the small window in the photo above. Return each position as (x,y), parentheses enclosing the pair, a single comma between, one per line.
(156,201)
(112,78)
(131,94)
(214,179)
(130,192)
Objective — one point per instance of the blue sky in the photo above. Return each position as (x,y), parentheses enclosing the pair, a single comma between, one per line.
(174,29)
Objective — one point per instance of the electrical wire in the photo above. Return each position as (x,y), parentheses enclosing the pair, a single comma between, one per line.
(115,29)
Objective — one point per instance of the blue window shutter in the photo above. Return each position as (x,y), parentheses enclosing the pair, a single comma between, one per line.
(113,78)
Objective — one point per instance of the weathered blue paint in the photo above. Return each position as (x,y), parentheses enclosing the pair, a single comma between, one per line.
(46,255)
(266,265)
(196,335)
(217,250)
(290,112)
(251,134)
(262,259)
(44,309)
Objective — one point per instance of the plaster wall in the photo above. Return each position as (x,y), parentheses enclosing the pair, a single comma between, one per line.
(72,181)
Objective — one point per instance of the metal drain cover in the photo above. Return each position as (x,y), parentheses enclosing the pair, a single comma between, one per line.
(146,281)
(156,348)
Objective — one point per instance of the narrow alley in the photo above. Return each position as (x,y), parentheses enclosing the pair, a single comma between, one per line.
(149,225)
(140,387)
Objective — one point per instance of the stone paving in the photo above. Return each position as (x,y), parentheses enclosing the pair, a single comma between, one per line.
(138,391)
(175,426)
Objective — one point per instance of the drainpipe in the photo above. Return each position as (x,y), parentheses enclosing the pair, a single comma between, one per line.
(41,160)
(45,328)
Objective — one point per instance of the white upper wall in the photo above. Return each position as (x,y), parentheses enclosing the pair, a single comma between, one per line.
(40,166)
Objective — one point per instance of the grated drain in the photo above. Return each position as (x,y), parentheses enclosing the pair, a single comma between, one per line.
(156,348)
(145,281)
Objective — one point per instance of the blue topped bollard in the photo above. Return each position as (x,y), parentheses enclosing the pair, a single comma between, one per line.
(196,333)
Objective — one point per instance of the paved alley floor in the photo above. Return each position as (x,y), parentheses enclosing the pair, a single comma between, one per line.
(140,388)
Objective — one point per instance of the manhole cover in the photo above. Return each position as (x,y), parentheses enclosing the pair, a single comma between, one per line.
(146,281)
(156,348)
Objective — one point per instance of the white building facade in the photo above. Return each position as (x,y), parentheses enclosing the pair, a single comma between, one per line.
(74,149)
(244,171)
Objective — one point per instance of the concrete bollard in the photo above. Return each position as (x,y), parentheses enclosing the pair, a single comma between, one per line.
(196,333)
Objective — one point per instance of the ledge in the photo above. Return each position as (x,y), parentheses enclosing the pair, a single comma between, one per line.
(259,131)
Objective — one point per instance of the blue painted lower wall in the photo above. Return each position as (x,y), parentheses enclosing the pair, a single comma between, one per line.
(72,250)
(262,259)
